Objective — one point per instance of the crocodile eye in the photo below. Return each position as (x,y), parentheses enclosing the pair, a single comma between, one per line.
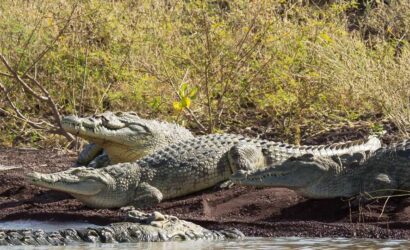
(139,128)
(79,170)
(112,122)
(119,113)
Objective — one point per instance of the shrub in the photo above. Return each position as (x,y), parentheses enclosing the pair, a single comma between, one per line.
(299,66)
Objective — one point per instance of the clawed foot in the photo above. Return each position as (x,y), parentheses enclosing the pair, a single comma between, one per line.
(127,209)
(226,184)
(135,215)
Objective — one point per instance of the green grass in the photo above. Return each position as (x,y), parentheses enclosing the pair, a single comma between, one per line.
(210,65)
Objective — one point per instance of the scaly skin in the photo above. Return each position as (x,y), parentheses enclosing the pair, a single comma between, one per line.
(123,135)
(370,174)
(143,228)
(179,169)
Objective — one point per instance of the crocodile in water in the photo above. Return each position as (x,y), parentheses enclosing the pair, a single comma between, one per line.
(142,227)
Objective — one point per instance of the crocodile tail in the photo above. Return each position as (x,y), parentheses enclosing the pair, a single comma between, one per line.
(401,148)
(371,144)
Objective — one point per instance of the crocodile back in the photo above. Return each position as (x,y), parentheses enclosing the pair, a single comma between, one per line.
(202,162)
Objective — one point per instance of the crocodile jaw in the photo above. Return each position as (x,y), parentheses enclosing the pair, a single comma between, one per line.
(103,129)
(123,142)
(66,182)
(109,187)
(265,178)
(289,174)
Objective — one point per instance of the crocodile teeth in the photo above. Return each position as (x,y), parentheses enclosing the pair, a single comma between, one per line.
(260,178)
(276,174)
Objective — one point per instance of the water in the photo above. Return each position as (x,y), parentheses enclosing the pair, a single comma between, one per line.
(45,225)
(247,243)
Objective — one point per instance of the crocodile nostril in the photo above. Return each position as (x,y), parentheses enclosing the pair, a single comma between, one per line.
(104,120)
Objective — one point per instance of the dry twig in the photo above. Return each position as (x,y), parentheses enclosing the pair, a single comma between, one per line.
(27,82)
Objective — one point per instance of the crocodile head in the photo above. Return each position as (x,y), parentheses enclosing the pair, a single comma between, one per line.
(294,173)
(101,188)
(124,135)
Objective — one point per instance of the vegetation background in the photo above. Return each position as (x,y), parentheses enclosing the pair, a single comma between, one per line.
(290,68)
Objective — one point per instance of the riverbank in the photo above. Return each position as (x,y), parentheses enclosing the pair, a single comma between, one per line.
(257,212)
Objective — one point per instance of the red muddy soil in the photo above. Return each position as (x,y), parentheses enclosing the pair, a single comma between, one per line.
(257,212)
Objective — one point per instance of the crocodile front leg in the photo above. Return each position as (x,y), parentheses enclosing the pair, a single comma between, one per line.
(100,161)
(146,196)
(89,152)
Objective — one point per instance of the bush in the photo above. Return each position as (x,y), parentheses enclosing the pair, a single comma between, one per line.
(214,66)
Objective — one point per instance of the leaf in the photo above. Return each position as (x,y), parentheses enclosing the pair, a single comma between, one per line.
(186,102)
(326,38)
(155,103)
(182,90)
(50,21)
(193,93)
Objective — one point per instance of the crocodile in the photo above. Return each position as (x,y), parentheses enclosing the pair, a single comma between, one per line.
(138,227)
(124,136)
(179,169)
(366,174)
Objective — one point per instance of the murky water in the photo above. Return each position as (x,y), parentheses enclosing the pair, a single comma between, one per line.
(45,225)
(248,243)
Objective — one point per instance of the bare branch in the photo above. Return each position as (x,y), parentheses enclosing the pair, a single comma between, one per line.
(46,96)
(208,62)
(5,74)
(38,91)
(20,80)
(50,46)
(190,112)
(20,115)
(84,84)
(33,80)
(53,106)
(107,89)
(36,27)
(167,79)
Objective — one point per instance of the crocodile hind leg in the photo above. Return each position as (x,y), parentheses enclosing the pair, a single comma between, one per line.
(146,196)
(374,188)
(379,185)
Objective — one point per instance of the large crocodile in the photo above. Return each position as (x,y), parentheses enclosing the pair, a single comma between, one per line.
(179,169)
(124,136)
(367,173)
(142,227)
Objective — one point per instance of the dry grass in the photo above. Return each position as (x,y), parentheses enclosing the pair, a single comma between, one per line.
(211,65)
